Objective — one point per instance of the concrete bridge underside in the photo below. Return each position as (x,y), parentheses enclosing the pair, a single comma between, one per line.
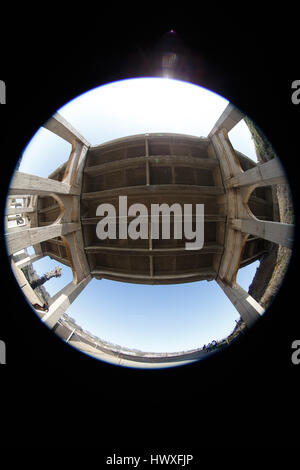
(241,222)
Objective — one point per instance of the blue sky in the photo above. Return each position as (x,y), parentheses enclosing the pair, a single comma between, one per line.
(152,318)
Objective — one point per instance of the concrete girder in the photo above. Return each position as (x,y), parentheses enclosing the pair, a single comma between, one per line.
(276,232)
(248,308)
(61,127)
(235,204)
(263,174)
(231,193)
(22,183)
(19,210)
(73,243)
(228,119)
(74,169)
(63,300)
(22,238)
(28,260)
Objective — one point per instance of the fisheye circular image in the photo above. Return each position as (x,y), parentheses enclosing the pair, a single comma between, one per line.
(149,223)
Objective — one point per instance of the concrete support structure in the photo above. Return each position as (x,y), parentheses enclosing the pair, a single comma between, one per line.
(28,260)
(73,172)
(248,308)
(61,127)
(263,174)
(19,210)
(276,232)
(61,212)
(64,229)
(230,117)
(31,184)
(22,238)
(64,299)
(241,222)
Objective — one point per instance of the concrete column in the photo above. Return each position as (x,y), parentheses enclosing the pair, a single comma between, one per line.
(28,260)
(263,174)
(228,119)
(37,249)
(63,300)
(248,308)
(61,127)
(72,175)
(56,296)
(73,243)
(234,240)
(276,232)
(23,183)
(22,238)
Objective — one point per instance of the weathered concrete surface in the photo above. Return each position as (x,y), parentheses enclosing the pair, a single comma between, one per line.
(276,232)
(144,167)
(273,266)
(61,127)
(247,306)
(263,174)
(29,293)
(23,183)
(22,238)
(228,119)
(270,273)
(29,260)
(64,299)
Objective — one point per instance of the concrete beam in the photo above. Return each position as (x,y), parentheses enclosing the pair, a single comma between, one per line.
(31,184)
(209,247)
(28,260)
(207,218)
(22,238)
(61,127)
(74,169)
(234,241)
(276,232)
(58,258)
(63,300)
(166,189)
(263,174)
(248,308)
(228,159)
(19,210)
(228,119)
(114,274)
(24,285)
(38,249)
(76,255)
(157,160)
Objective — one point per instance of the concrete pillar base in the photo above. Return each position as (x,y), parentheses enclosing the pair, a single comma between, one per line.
(248,308)
(63,300)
